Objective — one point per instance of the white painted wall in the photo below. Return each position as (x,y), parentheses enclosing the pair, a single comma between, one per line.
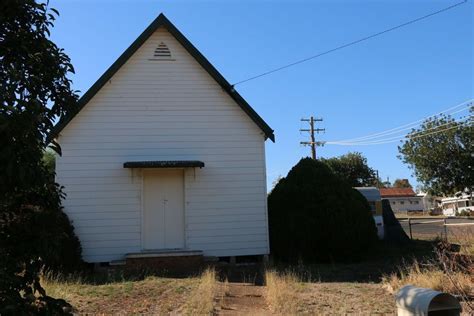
(164,110)
(403,204)
(452,205)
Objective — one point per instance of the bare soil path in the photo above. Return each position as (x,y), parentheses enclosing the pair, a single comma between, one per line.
(242,299)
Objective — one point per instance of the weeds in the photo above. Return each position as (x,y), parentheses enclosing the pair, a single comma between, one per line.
(282,291)
(115,294)
(449,272)
(465,238)
(428,276)
(201,301)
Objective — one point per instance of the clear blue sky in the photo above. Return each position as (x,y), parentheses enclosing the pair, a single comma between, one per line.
(385,82)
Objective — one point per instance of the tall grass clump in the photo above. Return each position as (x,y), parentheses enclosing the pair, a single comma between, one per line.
(449,272)
(201,301)
(430,277)
(282,291)
(59,286)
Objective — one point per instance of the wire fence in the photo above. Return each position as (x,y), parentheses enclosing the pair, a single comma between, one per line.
(429,228)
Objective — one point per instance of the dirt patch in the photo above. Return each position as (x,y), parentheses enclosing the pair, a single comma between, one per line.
(241,299)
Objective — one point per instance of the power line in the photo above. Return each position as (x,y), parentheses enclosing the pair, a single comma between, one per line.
(378,139)
(411,125)
(400,138)
(393,141)
(435,132)
(351,43)
(395,138)
(410,136)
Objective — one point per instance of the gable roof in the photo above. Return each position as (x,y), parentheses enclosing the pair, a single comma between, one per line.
(397,192)
(161,20)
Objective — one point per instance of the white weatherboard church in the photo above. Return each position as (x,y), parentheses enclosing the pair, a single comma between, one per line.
(163,154)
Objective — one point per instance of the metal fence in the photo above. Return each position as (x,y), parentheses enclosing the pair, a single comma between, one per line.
(428,227)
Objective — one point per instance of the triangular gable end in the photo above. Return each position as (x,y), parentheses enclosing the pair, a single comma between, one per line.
(161,20)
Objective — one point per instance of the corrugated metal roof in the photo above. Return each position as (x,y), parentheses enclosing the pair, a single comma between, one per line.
(370,193)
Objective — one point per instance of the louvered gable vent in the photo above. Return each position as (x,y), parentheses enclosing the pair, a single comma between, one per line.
(162,52)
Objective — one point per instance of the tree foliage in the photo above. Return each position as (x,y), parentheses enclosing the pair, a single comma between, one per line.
(401,183)
(34,92)
(440,153)
(49,161)
(316,216)
(353,168)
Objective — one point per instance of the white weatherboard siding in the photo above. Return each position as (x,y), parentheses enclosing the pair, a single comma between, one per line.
(164,110)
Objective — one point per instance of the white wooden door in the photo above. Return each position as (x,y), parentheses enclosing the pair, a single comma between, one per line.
(163,199)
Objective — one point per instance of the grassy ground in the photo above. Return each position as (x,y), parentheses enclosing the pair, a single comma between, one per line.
(150,295)
(359,288)
(447,272)
(341,288)
(289,295)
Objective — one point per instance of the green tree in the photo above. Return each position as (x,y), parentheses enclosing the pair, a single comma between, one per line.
(353,168)
(316,216)
(441,153)
(401,183)
(49,161)
(34,92)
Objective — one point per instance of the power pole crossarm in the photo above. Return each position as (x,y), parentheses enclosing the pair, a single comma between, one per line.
(313,143)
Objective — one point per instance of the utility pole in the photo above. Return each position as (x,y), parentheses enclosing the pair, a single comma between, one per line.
(313,143)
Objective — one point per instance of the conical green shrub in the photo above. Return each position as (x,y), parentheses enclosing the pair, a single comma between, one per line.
(316,216)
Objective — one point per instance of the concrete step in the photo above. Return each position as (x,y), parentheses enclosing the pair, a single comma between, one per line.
(117,262)
(163,253)
(176,261)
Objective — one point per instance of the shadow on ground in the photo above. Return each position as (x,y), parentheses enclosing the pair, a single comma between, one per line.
(383,259)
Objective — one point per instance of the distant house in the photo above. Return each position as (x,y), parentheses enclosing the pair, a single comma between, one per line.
(430,202)
(455,204)
(402,199)
(163,155)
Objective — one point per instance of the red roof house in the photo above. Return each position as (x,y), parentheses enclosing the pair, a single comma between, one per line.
(396,192)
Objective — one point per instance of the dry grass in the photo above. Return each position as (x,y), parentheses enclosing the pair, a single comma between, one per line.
(152,295)
(288,294)
(282,291)
(449,271)
(201,301)
(346,298)
(430,277)
(464,236)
